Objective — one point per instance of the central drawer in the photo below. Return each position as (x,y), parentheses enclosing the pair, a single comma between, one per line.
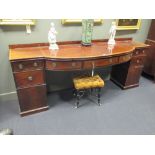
(125,58)
(29,78)
(62,65)
(100,63)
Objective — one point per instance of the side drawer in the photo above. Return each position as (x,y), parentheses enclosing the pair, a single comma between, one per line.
(100,63)
(30,78)
(51,65)
(138,61)
(139,52)
(27,65)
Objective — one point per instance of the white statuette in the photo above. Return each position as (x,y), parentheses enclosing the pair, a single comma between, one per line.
(112,34)
(52,38)
(28,29)
(110,48)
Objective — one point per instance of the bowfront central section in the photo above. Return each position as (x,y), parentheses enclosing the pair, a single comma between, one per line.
(87,63)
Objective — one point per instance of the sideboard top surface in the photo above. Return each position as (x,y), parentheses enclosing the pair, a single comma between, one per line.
(72,50)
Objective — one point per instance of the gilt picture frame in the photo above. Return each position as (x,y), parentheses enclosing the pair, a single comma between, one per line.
(79,21)
(128,24)
(17,21)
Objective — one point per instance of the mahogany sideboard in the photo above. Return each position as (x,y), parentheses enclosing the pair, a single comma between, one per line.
(29,62)
(149,64)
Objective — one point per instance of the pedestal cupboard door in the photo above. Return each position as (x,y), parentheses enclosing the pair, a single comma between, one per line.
(32,98)
(134,75)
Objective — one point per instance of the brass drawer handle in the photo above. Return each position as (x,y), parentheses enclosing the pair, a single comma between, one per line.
(143,52)
(73,64)
(20,66)
(137,52)
(30,78)
(110,60)
(35,64)
(125,58)
(54,64)
(138,61)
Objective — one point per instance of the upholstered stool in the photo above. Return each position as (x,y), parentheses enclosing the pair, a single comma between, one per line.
(87,82)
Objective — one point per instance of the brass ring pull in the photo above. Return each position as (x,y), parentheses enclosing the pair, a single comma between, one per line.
(73,64)
(110,60)
(30,78)
(20,66)
(137,52)
(138,61)
(35,64)
(124,58)
(54,64)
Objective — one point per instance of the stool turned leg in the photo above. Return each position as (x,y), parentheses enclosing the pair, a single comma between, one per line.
(77,98)
(99,91)
(91,91)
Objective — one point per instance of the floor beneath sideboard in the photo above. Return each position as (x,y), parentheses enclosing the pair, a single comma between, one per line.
(122,112)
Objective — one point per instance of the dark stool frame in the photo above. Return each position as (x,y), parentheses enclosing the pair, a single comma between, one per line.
(81,92)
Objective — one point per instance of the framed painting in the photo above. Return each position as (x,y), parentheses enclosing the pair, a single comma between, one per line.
(17,21)
(79,21)
(128,24)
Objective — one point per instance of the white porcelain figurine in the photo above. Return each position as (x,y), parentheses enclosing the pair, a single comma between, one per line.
(52,38)
(112,34)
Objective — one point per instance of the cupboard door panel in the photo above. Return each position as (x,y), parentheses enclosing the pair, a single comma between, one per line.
(32,99)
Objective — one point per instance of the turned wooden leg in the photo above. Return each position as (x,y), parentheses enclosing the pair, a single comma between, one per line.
(77,98)
(91,90)
(99,91)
